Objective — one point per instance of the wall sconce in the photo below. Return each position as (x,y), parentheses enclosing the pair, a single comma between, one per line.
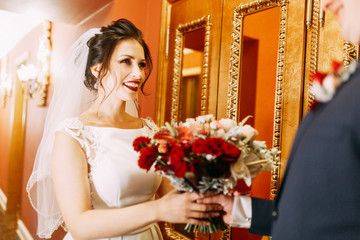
(28,77)
(5,82)
(36,79)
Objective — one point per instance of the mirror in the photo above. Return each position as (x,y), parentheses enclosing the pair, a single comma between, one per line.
(256,75)
(190,87)
(190,80)
(258,81)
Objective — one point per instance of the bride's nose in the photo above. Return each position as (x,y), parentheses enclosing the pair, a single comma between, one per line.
(136,72)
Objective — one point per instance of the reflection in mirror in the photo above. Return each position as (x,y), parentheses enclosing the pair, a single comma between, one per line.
(258,81)
(193,54)
(258,70)
(190,88)
(256,76)
(191,67)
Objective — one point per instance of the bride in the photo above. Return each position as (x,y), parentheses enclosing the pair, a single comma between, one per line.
(85,175)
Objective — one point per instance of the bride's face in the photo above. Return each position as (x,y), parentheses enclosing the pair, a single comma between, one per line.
(127,71)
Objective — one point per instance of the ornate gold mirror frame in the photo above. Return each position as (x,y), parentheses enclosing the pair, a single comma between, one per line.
(171,233)
(235,62)
(181,30)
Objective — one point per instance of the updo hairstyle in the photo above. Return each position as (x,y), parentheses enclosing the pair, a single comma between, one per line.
(102,45)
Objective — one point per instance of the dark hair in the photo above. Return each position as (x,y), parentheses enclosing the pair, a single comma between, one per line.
(102,45)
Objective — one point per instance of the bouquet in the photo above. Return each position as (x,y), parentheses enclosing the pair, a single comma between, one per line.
(203,154)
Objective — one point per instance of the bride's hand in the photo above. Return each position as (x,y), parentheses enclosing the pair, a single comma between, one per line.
(178,207)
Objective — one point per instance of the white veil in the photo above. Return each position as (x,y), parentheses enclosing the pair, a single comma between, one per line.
(70,98)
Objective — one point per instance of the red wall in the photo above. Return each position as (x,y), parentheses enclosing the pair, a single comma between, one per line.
(145,14)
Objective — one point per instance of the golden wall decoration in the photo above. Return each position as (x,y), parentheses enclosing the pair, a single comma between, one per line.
(235,62)
(44,57)
(5,82)
(172,234)
(316,12)
(351,53)
(203,22)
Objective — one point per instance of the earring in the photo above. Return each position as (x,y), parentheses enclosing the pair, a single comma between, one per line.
(96,85)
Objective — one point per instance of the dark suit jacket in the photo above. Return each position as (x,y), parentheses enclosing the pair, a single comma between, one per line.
(320,193)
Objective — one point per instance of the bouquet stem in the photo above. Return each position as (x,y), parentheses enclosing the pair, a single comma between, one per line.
(216,224)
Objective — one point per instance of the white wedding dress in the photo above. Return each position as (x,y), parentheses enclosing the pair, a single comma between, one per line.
(115,178)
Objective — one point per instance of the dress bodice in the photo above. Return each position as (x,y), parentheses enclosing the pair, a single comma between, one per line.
(115,178)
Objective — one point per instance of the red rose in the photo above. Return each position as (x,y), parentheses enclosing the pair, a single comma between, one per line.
(181,168)
(231,152)
(336,65)
(140,142)
(199,146)
(147,157)
(214,146)
(318,77)
(176,154)
(198,167)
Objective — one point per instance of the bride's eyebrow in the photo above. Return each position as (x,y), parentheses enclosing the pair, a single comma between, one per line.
(130,56)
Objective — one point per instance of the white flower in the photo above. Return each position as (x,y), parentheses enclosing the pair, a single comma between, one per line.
(191,123)
(229,185)
(240,171)
(268,166)
(275,151)
(205,118)
(330,84)
(324,92)
(220,133)
(227,124)
(214,125)
(259,144)
(249,133)
(210,157)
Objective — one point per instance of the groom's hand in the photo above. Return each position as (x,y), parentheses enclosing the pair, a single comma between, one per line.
(180,207)
(226,201)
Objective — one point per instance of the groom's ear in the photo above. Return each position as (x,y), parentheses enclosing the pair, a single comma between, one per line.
(95,69)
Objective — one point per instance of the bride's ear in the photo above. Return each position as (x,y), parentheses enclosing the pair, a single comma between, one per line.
(95,69)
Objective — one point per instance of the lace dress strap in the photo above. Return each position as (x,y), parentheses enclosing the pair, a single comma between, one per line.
(152,128)
(75,128)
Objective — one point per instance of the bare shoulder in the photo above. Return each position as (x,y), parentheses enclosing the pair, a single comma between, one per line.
(66,147)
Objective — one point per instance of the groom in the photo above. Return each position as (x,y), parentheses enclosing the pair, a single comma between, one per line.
(320,193)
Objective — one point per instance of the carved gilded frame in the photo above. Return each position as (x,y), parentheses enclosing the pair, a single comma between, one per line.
(203,22)
(235,62)
(174,235)
(44,57)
